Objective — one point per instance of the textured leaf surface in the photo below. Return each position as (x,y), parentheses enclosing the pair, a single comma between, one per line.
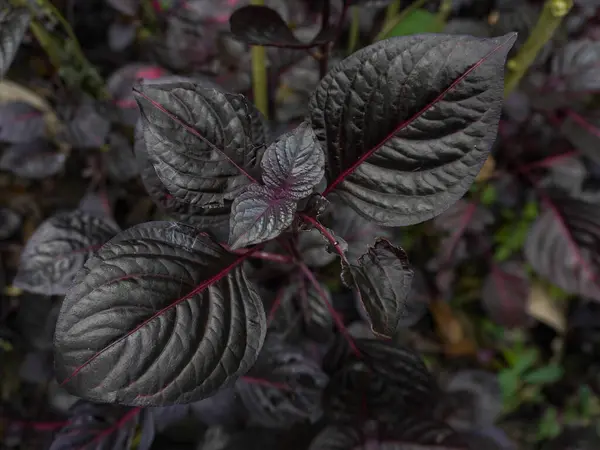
(563,246)
(98,427)
(292,389)
(294,164)
(33,160)
(58,250)
(261,25)
(200,141)
(259,214)
(13,24)
(505,293)
(20,122)
(577,66)
(384,278)
(161,315)
(400,150)
(214,220)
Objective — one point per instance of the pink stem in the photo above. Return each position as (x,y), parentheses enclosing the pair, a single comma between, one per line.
(326,234)
(468,215)
(549,161)
(274,257)
(276,305)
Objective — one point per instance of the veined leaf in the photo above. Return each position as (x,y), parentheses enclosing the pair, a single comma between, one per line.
(400,150)
(161,315)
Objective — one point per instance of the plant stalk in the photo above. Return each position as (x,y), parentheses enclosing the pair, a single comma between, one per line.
(354,30)
(443,14)
(547,24)
(259,74)
(389,26)
(392,10)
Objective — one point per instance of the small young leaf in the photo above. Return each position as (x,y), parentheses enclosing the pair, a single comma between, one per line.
(201,142)
(294,164)
(384,278)
(13,24)
(260,25)
(117,336)
(58,250)
(401,150)
(259,214)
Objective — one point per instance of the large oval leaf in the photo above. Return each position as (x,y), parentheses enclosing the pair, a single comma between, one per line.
(201,142)
(407,123)
(161,315)
(563,246)
(58,250)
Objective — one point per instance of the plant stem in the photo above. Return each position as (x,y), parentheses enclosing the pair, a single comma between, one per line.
(259,74)
(392,10)
(443,14)
(354,30)
(547,24)
(274,257)
(389,26)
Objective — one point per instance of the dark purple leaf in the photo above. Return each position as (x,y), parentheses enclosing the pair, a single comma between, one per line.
(201,142)
(314,249)
(127,7)
(118,334)
(474,400)
(10,222)
(213,220)
(505,294)
(58,250)
(20,122)
(576,67)
(583,133)
(121,35)
(409,433)
(294,164)
(33,160)
(563,246)
(13,24)
(283,388)
(258,215)
(119,159)
(223,408)
(99,427)
(400,150)
(87,126)
(97,205)
(261,25)
(384,277)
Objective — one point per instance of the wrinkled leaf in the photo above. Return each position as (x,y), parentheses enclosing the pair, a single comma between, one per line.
(294,164)
(58,250)
(401,151)
(504,295)
(384,278)
(13,24)
(20,122)
(292,387)
(259,214)
(33,160)
(166,280)
(563,246)
(200,141)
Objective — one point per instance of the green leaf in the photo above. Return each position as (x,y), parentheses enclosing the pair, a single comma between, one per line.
(549,426)
(417,21)
(525,360)
(544,375)
(509,383)
(489,195)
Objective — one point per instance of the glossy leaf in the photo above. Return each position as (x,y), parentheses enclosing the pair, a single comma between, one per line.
(384,278)
(213,220)
(201,142)
(292,387)
(33,160)
(261,25)
(167,280)
(259,214)
(294,164)
(505,294)
(401,151)
(563,246)
(20,122)
(13,24)
(58,250)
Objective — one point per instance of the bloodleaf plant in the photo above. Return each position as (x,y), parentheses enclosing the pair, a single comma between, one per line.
(169,312)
